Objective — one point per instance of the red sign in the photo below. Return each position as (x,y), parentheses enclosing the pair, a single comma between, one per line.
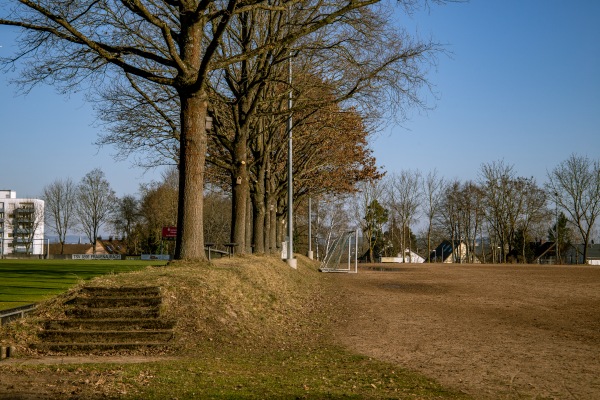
(169,232)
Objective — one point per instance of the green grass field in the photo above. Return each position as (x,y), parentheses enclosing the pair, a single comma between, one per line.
(30,281)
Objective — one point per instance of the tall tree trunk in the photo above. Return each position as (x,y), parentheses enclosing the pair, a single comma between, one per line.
(429,241)
(258,226)
(272,236)
(281,218)
(239,193)
(258,207)
(267,229)
(249,227)
(190,245)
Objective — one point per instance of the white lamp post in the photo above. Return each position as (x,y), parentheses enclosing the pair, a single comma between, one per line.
(292,262)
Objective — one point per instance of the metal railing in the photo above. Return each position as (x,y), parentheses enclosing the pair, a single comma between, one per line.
(14,313)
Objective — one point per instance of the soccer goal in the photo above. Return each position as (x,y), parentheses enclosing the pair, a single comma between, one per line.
(342,255)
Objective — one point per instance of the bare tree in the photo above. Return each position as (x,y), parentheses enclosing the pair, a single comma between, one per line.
(217,216)
(533,214)
(60,199)
(172,43)
(449,215)
(575,183)
(96,202)
(378,69)
(158,209)
(332,219)
(433,190)
(469,216)
(496,178)
(369,193)
(126,218)
(404,196)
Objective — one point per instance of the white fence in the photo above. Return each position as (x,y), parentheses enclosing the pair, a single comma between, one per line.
(96,256)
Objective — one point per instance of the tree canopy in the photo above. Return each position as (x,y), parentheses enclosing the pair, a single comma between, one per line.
(165,51)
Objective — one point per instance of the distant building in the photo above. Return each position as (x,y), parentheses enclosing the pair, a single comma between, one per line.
(574,255)
(21,225)
(452,252)
(544,253)
(409,257)
(102,247)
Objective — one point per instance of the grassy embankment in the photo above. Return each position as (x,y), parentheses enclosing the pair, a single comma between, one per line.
(30,281)
(247,328)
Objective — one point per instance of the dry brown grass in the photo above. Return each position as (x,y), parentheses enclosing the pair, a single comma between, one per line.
(244,301)
(249,302)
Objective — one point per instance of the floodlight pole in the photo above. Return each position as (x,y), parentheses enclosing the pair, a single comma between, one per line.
(556,235)
(310,252)
(290,250)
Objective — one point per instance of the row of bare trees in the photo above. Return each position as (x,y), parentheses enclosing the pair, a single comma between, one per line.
(502,209)
(91,207)
(86,206)
(158,69)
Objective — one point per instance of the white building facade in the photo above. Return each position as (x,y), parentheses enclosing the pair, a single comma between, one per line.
(409,257)
(21,225)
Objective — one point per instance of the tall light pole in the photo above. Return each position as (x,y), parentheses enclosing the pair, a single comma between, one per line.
(310,252)
(556,230)
(292,262)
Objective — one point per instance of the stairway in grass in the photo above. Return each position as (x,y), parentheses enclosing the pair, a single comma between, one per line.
(103,319)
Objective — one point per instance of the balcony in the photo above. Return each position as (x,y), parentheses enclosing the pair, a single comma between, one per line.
(24,211)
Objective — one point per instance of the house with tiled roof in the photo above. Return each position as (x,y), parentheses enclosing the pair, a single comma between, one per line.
(445,252)
(575,255)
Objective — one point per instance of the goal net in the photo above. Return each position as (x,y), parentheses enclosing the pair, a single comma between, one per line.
(342,255)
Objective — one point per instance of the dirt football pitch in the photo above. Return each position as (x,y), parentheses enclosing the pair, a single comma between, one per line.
(492,331)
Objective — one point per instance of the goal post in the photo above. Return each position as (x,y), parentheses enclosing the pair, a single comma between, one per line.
(342,255)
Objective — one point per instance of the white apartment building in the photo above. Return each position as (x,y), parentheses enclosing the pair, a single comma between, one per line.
(21,225)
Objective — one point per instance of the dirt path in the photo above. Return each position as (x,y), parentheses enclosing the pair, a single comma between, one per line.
(491,331)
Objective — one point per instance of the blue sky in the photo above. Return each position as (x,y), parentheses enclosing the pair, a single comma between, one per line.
(46,136)
(522,84)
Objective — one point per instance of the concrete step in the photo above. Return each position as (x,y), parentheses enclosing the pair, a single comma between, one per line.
(111,313)
(96,348)
(114,301)
(106,336)
(120,291)
(127,324)
(101,319)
